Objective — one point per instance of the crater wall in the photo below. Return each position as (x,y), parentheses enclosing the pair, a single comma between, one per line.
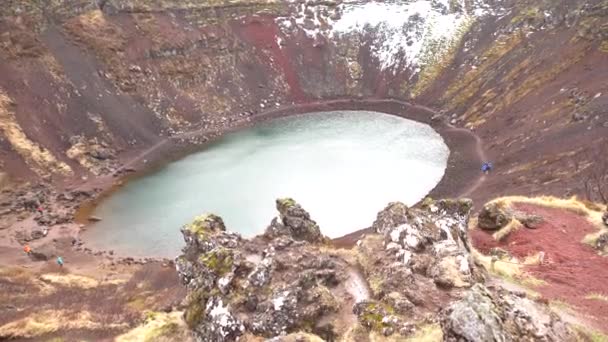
(85,86)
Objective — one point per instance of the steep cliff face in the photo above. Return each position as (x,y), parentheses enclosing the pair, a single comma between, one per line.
(127,74)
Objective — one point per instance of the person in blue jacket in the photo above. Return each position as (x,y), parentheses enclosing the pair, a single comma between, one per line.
(486,167)
(60,261)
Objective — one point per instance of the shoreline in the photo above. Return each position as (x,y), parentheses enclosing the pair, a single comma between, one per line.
(462,143)
(177,147)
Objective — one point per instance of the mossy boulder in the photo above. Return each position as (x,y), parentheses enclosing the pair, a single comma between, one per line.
(219,261)
(206,223)
(494,216)
(294,222)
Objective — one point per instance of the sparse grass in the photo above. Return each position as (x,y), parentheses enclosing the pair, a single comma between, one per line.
(71,280)
(586,334)
(41,160)
(49,321)
(158,326)
(561,305)
(510,271)
(427,333)
(597,296)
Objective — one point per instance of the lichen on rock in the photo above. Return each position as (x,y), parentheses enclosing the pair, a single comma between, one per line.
(483,315)
(415,268)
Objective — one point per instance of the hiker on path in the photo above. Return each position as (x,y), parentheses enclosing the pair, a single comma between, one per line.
(60,261)
(27,249)
(486,167)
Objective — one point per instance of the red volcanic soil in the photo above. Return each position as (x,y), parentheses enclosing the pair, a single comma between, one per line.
(262,32)
(571,269)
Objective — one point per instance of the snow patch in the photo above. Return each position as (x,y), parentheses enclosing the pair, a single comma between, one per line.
(403,31)
(279,301)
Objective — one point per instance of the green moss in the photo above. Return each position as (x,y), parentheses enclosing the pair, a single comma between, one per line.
(219,261)
(372,315)
(196,308)
(206,223)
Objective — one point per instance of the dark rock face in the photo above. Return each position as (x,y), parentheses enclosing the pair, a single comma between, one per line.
(482,315)
(605,218)
(295,222)
(493,216)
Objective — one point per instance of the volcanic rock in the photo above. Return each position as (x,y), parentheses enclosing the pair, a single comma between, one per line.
(231,293)
(295,222)
(494,216)
(482,315)
(391,216)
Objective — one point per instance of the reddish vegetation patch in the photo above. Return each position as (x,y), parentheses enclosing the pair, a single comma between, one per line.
(571,269)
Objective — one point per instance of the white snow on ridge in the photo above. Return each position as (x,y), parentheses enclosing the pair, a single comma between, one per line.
(405,33)
(401,28)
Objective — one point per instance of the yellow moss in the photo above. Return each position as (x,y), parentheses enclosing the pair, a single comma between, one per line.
(37,157)
(49,321)
(427,333)
(508,270)
(511,227)
(71,280)
(467,85)
(435,62)
(604,46)
(597,296)
(589,335)
(158,326)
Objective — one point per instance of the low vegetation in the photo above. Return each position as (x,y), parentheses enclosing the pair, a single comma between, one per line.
(158,326)
(49,321)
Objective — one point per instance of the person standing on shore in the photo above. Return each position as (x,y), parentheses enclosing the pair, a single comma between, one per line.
(60,261)
(27,249)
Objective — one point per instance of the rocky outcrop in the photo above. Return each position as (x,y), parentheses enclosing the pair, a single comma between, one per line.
(500,315)
(285,282)
(268,286)
(294,221)
(605,218)
(393,215)
(494,216)
(421,255)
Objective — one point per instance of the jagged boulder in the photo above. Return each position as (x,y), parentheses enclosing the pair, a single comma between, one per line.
(422,254)
(483,315)
(605,218)
(494,216)
(295,222)
(433,242)
(392,216)
(235,290)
